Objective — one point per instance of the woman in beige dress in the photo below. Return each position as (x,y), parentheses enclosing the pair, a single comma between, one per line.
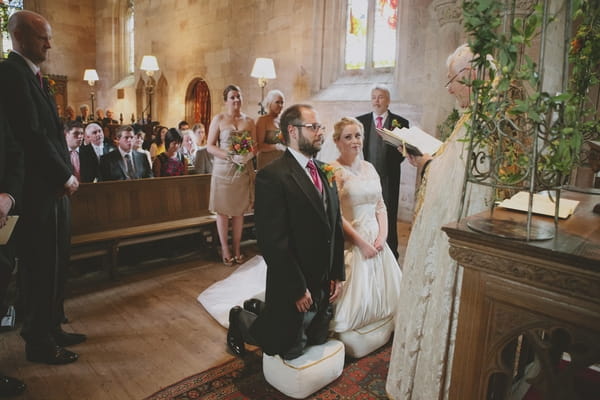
(232,188)
(268,134)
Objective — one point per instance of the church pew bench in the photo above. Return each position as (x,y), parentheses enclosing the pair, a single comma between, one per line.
(107,216)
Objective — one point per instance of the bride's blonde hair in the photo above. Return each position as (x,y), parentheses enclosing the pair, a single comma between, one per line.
(344,122)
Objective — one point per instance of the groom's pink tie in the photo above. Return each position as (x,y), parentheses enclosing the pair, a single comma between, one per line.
(379,120)
(312,168)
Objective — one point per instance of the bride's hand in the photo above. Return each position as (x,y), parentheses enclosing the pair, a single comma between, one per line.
(379,243)
(367,249)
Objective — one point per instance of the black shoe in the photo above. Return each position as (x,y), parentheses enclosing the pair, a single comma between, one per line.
(49,354)
(253,305)
(10,387)
(235,341)
(65,339)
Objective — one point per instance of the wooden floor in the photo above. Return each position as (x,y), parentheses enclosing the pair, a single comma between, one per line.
(144,332)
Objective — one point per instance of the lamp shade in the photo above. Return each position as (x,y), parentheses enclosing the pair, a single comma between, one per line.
(90,75)
(149,63)
(263,68)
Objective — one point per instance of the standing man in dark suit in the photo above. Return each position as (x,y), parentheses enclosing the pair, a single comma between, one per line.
(11,185)
(124,163)
(385,158)
(44,226)
(299,232)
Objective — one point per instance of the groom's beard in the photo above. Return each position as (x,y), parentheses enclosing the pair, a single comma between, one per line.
(309,148)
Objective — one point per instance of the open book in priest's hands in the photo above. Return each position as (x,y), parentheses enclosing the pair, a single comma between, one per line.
(415,141)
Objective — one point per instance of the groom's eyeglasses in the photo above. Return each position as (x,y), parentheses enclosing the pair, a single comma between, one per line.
(315,127)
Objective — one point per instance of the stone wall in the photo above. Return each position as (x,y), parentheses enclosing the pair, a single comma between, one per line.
(218,41)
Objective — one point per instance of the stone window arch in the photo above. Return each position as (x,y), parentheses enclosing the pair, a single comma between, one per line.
(198,102)
(7,8)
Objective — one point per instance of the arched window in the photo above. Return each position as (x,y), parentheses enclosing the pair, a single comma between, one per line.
(197,103)
(370,39)
(130,38)
(7,8)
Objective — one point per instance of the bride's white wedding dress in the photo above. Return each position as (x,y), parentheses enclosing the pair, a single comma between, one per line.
(372,286)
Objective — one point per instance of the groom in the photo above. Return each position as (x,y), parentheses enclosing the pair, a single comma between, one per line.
(299,232)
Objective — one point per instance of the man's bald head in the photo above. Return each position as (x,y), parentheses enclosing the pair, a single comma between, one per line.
(30,34)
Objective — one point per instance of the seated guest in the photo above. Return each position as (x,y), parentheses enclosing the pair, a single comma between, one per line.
(159,142)
(125,163)
(203,162)
(188,146)
(99,115)
(89,154)
(73,136)
(137,145)
(69,113)
(108,120)
(170,162)
(85,114)
(183,126)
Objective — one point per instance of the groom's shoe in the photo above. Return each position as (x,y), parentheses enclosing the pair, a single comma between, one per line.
(235,341)
(253,305)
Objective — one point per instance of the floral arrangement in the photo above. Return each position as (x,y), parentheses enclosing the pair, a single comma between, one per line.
(241,144)
(329,172)
(279,137)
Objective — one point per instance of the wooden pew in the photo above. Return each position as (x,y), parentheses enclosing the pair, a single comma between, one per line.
(109,215)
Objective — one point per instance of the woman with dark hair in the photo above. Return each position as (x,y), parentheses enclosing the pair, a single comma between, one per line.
(231,139)
(159,143)
(170,162)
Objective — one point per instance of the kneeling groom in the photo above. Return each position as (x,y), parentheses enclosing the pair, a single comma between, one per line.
(299,232)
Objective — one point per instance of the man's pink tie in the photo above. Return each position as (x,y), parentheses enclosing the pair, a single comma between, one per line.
(39,76)
(379,120)
(312,168)
(75,163)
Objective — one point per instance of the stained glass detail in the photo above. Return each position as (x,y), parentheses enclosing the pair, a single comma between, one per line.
(356,34)
(7,8)
(384,37)
(371,34)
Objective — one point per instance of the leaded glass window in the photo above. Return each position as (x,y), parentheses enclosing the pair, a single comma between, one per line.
(7,8)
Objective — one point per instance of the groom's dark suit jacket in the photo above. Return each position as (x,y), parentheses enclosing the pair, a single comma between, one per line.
(44,225)
(389,171)
(112,167)
(302,244)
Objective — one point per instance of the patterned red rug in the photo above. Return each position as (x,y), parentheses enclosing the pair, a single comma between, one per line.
(243,379)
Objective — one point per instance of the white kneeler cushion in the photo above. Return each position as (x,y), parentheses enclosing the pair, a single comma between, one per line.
(302,376)
(362,341)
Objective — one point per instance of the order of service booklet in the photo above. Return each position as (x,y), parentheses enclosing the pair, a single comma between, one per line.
(415,140)
(6,230)
(542,204)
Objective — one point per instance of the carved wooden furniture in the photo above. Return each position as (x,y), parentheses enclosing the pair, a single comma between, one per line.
(525,307)
(110,215)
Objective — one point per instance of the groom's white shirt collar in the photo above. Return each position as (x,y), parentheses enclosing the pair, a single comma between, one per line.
(301,158)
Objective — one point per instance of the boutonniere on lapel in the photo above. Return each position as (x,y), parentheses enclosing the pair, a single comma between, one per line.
(50,84)
(396,124)
(329,172)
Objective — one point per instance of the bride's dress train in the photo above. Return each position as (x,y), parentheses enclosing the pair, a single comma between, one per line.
(246,282)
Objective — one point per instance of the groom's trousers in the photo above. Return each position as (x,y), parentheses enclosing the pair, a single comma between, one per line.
(314,329)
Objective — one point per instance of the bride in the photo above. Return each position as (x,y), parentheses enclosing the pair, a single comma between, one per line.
(373,276)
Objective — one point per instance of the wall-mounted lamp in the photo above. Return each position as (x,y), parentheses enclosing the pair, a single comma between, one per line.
(91,76)
(149,65)
(263,69)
